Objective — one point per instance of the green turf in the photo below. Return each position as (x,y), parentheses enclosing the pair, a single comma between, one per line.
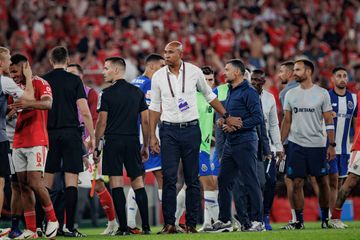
(312,231)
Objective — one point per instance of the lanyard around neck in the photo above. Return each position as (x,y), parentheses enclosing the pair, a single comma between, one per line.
(183,81)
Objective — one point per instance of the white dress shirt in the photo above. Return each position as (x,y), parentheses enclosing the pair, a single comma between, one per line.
(163,101)
(271,121)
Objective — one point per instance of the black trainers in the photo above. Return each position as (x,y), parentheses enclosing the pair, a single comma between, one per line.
(119,232)
(325,224)
(74,233)
(294,226)
(60,232)
(146,230)
(39,232)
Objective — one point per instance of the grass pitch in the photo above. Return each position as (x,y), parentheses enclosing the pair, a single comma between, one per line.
(312,231)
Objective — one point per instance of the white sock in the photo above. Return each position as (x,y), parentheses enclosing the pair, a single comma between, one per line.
(293,215)
(131,208)
(160,194)
(180,205)
(211,210)
(112,222)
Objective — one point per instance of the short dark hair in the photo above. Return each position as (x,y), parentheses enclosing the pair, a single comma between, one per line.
(207,70)
(258,71)
(18,58)
(59,54)
(238,64)
(288,64)
(77,66)
(116,60)
(153,58)
(338,68)
(308,64)
(261,73)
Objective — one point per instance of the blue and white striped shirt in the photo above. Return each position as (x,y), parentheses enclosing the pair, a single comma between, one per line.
(345,108)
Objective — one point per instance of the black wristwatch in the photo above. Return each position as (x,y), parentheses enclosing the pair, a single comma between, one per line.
(97,151)
(226,115)
(332,144)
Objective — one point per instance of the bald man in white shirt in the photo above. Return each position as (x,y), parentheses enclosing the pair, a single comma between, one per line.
(173,101)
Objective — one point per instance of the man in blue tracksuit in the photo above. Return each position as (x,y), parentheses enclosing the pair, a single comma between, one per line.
(239,158)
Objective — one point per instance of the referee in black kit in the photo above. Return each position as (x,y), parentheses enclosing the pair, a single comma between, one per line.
(65,142)
(119,108)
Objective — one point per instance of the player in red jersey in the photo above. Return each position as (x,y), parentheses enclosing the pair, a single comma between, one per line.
(351,181)
(30,148)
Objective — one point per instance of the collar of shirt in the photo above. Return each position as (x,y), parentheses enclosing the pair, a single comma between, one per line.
(121,80)
(333,90)
(162,99)
(242,85)
(292,84)
(182,63)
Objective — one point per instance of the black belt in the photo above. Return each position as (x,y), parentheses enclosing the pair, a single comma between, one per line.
(183,124)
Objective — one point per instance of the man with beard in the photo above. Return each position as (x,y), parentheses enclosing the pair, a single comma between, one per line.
(350,183)
(286,76)
(239,159)
(306,108)
(345,109)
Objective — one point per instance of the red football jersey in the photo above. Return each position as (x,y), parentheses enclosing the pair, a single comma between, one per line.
(31,125)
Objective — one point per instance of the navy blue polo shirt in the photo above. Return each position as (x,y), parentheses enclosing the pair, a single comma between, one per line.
(243,101)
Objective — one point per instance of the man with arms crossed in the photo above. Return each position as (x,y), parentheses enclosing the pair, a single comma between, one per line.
(306,108)
(239,160)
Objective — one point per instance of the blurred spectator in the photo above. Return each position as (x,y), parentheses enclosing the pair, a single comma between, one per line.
(262,33)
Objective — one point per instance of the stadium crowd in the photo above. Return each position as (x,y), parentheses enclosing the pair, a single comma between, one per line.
(262,50)
(261,33)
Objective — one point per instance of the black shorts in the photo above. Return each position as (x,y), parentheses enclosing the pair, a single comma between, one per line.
(124,150)
(304,161)
(4,159)
(65,151)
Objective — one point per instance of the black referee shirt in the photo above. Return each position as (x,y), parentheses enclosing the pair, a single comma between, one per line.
(66,88)
(123,102)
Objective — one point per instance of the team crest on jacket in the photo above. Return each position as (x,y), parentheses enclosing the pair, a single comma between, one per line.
(204,167)
(350,105)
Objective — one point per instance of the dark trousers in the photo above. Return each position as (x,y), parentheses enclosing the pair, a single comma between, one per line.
(180,143)
(239,164)
(241,196)
(241,203)
(266,171)
(269,189)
